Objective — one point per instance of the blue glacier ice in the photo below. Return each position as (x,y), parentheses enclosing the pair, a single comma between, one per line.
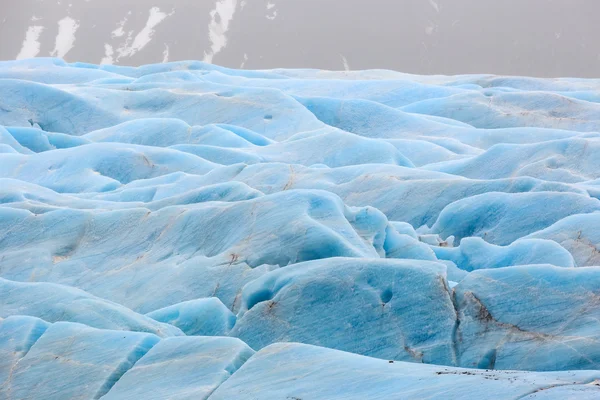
(188,231)
(53,303)
(17,334)
(365,307)
(200,317)
(182,368)
(475,253)
(309,372)
(552,321)
(75,361)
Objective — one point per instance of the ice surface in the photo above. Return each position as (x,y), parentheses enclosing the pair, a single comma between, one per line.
(52,303)
(551,322)
(365,307)
(182,368)
(76,362)
(200,317)
(17,335)
(475,253)
(308,372)
(446,220)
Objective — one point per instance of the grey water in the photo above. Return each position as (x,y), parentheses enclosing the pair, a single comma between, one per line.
(547,38)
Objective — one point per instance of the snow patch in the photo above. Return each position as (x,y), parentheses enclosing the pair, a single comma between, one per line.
(108,55)
(67,27)
(220,16)
(31,44)
(144,37)
(273,14)
(345,62)
(435,5)
(166,54)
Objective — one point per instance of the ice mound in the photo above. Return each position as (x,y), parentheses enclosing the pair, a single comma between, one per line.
(52,303)
(161,224)
(367,307)
(200,317)
(322,374)
(75,361)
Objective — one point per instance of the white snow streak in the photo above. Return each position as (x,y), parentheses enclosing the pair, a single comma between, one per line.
(144,36)
(119,31)
(218,27)
(166,54)
(435,5)
(65,38)
(108,55)
(431,28)
(345,61)
(31,44)
(273,14)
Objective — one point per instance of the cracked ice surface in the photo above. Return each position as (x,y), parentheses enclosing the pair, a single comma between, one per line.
(184,230)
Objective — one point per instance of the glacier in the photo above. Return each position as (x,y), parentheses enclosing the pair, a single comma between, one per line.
(188,231)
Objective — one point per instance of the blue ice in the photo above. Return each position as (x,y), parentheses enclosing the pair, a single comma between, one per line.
(189,231)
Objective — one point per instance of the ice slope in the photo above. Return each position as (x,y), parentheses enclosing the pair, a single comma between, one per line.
(200,317)
(371,308)
(52,303)
(68,360)
(75,361)
(551,322)
(444,220)
(322,374)
(182,368)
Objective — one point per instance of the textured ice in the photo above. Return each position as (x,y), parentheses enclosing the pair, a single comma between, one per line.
(310,372)
(475,253)
(17,335)
(551,322)
(53,303)
(371,308)
(200,317)
(182,368)
(76,362)
(159,224)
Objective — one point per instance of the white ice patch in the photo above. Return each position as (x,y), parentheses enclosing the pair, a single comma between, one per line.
(431,28)
(145,35)
(435,5)
(273,14)
(108,55)
(166,54)
(218,27)
(119,31)
(31,44)
(345,62)
(244,62)
(67,27)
